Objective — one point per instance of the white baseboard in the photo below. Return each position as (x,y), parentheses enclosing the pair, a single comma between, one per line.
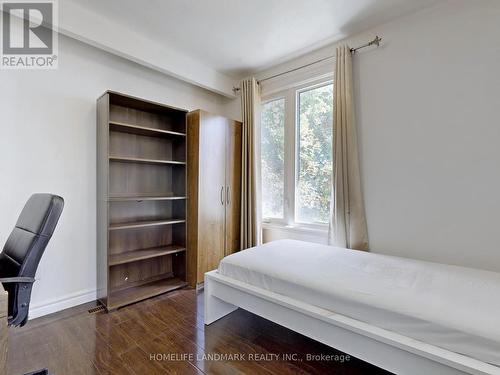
(58,304)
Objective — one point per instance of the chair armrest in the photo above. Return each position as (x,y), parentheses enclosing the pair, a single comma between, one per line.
(17,280)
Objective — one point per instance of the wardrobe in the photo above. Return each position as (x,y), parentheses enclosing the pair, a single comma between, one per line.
(213,191)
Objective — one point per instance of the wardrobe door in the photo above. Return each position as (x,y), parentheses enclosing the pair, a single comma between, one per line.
(211,192)
(233,185)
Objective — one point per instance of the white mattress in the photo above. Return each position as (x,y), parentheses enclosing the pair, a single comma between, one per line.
(455,308)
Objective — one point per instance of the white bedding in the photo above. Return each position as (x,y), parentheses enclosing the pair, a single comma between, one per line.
(455,308)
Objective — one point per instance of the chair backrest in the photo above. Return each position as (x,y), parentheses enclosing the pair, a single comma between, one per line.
(24,248)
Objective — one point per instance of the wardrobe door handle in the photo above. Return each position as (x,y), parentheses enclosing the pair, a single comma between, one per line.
(222,195)
(227,195)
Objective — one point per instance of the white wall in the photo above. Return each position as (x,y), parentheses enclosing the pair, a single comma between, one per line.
(427,109)
(232,108)
(428,106)
(48,144)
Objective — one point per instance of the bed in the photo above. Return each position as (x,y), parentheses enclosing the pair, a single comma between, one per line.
(406,316)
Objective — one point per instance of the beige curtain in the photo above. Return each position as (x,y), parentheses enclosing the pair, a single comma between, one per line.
(347,222)
(250,211)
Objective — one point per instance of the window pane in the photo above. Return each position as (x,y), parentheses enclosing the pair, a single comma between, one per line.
(272,151)
(314,170)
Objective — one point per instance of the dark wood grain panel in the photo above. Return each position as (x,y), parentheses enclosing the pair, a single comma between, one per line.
(211,193)
(141,198)
(148,210)
(146,179)
(214,188)
(102,193)
(141,254)
(127,275)
(145,223)
(146,147)
(142,130)
(121,241)
(143,290)
(193,167)
(233,186)
(139,113)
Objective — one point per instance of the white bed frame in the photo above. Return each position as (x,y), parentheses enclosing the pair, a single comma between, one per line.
(388,350)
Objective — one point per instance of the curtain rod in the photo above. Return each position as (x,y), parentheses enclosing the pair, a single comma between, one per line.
(375,41)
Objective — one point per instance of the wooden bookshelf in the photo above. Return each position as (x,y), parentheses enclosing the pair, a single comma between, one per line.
(145,223)
(135,255)
(142,130)
(142,160)
(141,199)
(127,296)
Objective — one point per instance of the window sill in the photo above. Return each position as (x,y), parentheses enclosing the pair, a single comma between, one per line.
(277,231)
(320,230)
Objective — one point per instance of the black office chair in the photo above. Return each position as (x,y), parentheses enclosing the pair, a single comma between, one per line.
(22,252)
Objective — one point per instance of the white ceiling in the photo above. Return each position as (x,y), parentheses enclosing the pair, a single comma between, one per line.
(238,37)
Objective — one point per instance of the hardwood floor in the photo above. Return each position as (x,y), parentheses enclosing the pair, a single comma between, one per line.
(166,335)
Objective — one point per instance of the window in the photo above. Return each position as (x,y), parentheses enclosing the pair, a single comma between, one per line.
(314,154)
(272,158)
(296,151)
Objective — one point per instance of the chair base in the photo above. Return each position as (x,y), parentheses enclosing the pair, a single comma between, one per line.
(39,372)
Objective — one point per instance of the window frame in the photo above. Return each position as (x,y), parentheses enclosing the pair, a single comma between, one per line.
(291,153)
(277,96)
